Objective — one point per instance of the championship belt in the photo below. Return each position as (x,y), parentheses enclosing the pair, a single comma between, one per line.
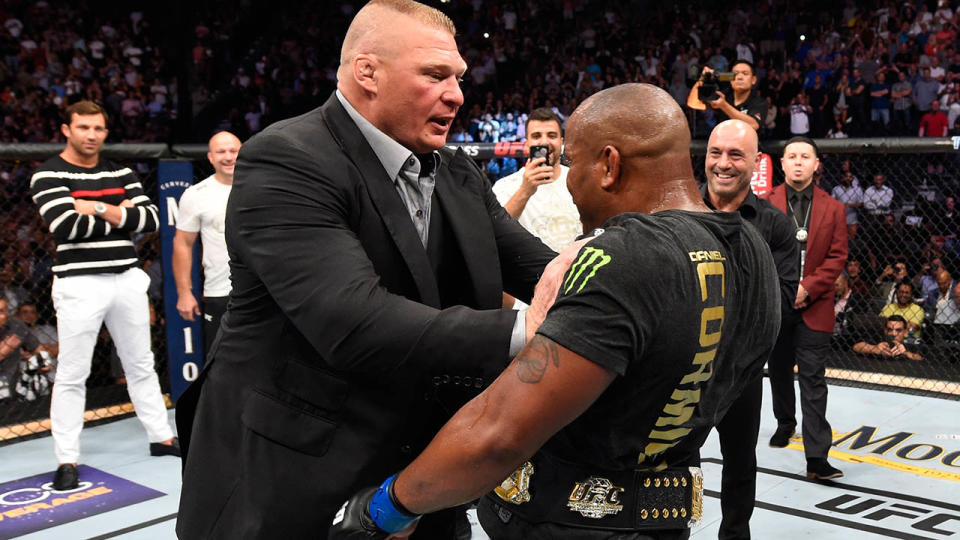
(547,489)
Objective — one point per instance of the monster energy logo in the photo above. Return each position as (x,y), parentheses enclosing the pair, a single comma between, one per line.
(591,260)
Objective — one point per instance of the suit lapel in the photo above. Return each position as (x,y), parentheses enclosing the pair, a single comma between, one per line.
(816,215)
(779,198)
(385,198)
(467,220)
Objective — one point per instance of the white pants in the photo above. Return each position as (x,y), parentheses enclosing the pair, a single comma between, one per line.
(82,304)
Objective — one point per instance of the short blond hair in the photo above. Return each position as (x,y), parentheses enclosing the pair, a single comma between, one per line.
(366,23)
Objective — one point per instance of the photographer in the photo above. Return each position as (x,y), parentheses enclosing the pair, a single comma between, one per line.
(738,101)
(893,346)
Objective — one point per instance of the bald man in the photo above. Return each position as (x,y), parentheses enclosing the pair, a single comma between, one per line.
(657,323)
(732,155)
(202,210)
(367,278)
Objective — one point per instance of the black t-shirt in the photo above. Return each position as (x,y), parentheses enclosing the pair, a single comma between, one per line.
(754,106)
(684,307)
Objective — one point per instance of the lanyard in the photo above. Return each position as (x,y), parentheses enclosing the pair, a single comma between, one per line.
(801,232)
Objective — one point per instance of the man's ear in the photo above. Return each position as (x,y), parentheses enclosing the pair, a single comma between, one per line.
(365,72)
(610,164)
(65,129)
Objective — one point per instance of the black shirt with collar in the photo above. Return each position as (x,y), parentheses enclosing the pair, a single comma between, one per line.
(799,205)
(779,233)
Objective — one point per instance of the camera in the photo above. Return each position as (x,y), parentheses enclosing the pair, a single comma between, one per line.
(710,84)
(540,151)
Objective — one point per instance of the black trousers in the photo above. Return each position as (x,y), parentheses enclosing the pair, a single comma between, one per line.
(807,349)
(738,432)
(501,524)
(213,309)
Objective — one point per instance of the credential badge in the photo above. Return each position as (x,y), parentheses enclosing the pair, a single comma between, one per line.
(595,497)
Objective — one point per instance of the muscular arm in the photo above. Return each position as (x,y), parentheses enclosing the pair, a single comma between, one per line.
(490,436)
(182,264)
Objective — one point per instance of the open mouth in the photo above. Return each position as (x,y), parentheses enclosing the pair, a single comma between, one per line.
(442,122)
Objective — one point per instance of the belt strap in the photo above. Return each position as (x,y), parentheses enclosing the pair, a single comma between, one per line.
(547,489)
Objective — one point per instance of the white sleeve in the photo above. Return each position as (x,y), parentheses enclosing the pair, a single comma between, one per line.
(188,215)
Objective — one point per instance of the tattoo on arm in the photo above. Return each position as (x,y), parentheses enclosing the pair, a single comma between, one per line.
(534,360)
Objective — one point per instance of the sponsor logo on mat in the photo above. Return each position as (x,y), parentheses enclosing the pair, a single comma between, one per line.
(31,504)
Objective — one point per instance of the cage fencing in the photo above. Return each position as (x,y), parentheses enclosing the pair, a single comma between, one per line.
(908,244)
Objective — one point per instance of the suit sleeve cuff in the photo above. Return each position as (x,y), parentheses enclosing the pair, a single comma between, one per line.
(519,337)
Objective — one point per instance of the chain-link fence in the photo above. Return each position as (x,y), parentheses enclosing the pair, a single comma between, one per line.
(903,235)
(912,240)
(28,252)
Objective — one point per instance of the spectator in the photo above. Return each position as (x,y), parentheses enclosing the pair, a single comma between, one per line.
(905,307)
(10,288)
(537,195)
(887,282)
(857,97)
(877,200)
(893,345)
(852,198)
(942,305)
(934,123)
(837,131)
(847,303)
(924,92)
(15,341)
(46,334)
(880,102)
(901,92)
(800,115)
(926,280)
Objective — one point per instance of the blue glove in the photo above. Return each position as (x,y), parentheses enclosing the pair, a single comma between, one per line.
(371,514)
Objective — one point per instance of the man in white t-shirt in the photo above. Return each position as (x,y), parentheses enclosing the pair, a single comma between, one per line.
(537,195)
(202,209)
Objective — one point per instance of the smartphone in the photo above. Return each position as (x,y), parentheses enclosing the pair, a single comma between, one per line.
(538,151)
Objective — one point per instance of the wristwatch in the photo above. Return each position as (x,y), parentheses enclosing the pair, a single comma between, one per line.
(99,208)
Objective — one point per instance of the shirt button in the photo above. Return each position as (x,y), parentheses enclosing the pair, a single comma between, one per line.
(411,162)
(420,213)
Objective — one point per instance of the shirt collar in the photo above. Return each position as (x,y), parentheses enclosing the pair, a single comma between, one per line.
(392,155)
(748,208)
(806,192)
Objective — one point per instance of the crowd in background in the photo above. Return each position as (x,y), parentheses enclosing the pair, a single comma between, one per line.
(839,69)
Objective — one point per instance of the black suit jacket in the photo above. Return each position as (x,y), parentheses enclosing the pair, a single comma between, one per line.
(323,378)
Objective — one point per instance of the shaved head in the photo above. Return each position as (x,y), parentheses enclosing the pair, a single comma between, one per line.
(732,156)
(629,150)
(641,120)
(222,138)
(400,68)
(374,29)
(222,153)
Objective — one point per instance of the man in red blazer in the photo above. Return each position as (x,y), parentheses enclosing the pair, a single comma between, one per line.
(805,334)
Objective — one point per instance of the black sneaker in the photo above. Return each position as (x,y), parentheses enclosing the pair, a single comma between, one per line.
(781,438)
(66,477)
(161,449)
(820,469)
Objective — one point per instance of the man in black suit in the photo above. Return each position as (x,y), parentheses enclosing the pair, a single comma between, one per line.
(367,279)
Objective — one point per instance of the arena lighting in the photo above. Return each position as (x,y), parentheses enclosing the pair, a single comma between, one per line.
(802,37)
(486,35)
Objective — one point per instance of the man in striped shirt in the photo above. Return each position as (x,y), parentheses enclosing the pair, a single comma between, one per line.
(92,207)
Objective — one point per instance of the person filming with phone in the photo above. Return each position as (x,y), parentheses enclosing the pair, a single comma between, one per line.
(894,344)
(537,195)
(738,101)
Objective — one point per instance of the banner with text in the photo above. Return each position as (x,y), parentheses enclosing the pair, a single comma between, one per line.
(184,338)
